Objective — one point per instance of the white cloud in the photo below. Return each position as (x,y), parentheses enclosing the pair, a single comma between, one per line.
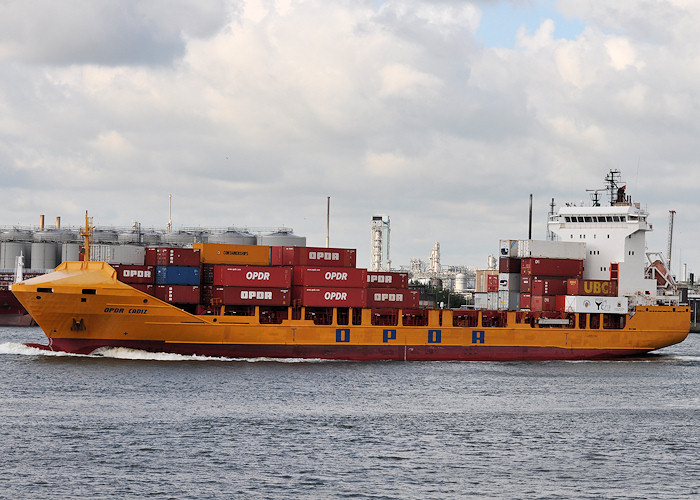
(399,80)
(622,54)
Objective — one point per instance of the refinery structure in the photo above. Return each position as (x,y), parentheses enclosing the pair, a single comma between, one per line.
(459,279)
(43,248)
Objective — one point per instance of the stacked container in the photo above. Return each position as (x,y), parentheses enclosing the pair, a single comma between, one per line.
(323,277)
(117,254)
(531,274)
(229,254)
(313,256)
(390,290)
(177,277)
(543,279)
(486,293)
(246,285)
(508,279)
(141,277)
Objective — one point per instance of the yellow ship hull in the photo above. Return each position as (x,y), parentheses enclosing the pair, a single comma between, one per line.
(82,307)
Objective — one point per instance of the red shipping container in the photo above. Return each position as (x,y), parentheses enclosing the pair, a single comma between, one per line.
(249,276)
(525,301)
(178,294)
(239,296)
(508,265)
(135,274)
(548,286)
(313,256)
(543,303)
(277,256)
(566,268)
(561,303)
(188,257)
(393,297)
(150,256)
(329,297)
(386,279)
(492,283)
(525,284)
(601,288)
(329,276)
(149,289)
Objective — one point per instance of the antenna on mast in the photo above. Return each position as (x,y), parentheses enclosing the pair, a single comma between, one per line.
(616,190)
(170,213)
(550,234)
(595,196)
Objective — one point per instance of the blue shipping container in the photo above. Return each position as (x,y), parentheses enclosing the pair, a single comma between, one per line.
(177,275)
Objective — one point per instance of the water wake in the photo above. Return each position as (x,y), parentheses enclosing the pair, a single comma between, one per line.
(17,348)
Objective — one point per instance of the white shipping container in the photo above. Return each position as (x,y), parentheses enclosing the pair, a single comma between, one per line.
(509,248)
(118,254)
(508,301)
(492,300)
(551,249)
(588,304)
(480,300)
(509,282)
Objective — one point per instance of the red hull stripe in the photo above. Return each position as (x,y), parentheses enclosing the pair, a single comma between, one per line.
(352,352)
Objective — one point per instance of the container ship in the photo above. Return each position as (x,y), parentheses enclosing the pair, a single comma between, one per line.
(589,295)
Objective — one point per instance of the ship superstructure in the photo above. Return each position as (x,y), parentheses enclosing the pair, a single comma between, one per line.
(615,239)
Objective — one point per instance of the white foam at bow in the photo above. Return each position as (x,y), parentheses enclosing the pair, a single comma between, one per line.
(25,350)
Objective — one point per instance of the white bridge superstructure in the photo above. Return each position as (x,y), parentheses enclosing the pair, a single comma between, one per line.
(615,238)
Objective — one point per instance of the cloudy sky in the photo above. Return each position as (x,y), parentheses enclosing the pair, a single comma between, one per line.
(443,114)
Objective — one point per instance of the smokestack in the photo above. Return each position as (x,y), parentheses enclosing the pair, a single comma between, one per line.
(41,223)
(58,222)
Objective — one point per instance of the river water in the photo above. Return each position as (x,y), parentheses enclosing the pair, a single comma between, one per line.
(128,424)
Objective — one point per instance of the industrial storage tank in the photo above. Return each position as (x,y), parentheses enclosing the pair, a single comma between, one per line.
(55,235)
(10,250)
(128,237)
(493,262)
(281,239)
(150,238)
(178,238)
(70,252)
(104,236)
(44,255)
(460,282)
(15,234)
(232,237)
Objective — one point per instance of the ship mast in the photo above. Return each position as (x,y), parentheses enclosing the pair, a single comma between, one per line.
(86,233)
(671,214)
(616,191)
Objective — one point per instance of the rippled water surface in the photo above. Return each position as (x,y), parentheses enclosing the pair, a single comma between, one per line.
(127,424)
